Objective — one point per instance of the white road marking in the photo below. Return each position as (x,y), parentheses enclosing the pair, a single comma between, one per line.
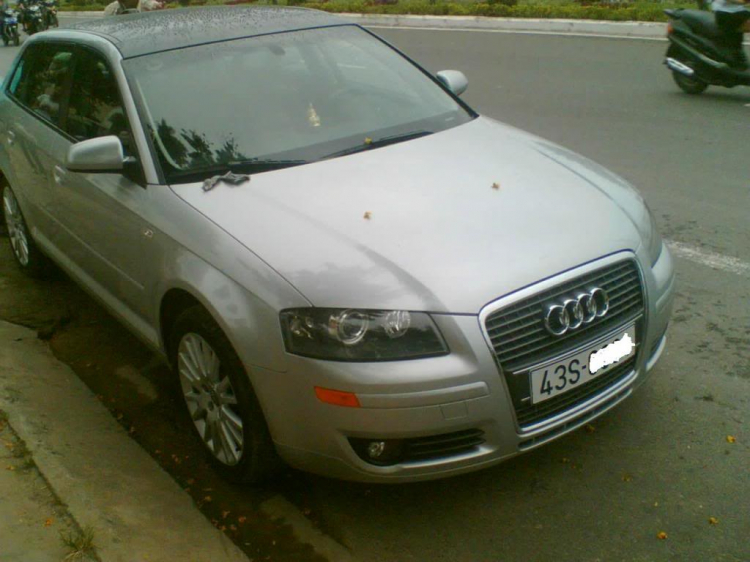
(708,258)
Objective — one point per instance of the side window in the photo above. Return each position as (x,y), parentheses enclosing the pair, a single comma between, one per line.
(95,108)
(41,79)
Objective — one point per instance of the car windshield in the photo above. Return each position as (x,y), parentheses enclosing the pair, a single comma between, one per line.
(281,100)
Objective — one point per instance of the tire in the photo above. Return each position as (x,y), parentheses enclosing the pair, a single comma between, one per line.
(25,251)
(16,38)
(219,401)
(687,84)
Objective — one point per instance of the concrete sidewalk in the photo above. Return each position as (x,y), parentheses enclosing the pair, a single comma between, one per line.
(102,478)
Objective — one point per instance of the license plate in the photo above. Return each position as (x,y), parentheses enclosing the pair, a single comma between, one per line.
(573,371)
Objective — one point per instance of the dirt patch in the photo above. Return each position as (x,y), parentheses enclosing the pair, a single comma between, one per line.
(138,389)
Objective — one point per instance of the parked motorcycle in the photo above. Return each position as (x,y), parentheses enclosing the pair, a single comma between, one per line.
(49,9)
(696,55)
(33,19)
(10,27)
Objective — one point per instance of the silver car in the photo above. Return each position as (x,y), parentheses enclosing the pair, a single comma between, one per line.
(348,268)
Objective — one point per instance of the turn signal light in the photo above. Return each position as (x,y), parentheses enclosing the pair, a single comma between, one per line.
(337,397)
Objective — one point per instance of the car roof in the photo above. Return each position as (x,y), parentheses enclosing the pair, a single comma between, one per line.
(151,32)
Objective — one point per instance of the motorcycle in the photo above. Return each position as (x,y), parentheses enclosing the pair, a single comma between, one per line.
(33,19)
(10,27)
(49,7)
(696,55)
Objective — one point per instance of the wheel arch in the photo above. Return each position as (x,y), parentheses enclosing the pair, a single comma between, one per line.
(246,318)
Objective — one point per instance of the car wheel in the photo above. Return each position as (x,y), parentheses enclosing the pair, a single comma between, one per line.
(32,261)
(219,399)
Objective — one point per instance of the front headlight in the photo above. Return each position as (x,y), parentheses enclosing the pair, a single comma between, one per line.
(360,335)
(653,240)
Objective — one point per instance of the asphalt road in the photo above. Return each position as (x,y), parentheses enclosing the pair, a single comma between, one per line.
(661,462)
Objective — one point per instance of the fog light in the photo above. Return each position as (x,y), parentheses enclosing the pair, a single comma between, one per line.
(375,449)
(380,452)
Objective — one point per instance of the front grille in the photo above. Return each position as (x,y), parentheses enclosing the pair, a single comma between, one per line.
(445,445)
(417,449)
(534,413)
(520,340)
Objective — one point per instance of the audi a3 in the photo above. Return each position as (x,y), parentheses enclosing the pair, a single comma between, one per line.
(346,266)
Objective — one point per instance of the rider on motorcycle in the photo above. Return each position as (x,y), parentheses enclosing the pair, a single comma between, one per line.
(122,6)
(733,18)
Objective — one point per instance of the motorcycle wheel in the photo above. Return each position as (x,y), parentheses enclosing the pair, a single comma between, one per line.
(687,84)
(16,39)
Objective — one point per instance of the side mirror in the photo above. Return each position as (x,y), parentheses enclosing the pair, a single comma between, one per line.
(100,155)
(454,80)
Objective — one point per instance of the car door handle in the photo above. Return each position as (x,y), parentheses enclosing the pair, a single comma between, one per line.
(60,174)
(11,137)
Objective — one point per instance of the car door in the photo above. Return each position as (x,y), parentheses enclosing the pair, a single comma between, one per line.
(33,134)
(101,213)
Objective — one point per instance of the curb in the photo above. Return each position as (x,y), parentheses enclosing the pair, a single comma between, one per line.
(634,29)
(104,478)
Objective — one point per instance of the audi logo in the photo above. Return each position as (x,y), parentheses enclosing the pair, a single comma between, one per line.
(574,312)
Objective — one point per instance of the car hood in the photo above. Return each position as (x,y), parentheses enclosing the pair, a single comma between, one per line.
(444,223)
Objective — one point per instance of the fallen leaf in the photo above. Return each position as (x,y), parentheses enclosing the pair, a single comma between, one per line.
(590,428)
(157,452)
(661,535)
(190,481)
(713,521)
(626,477)
(656,504)
(241,519)
(224,514)
(232,527)
(131,431)
(10,467)
(208,499)
(368,140)
(368,215)
(48,522)
(565,460)
(495,185)
(731,439)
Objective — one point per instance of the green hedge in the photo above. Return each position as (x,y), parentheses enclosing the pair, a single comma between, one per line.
(620,11)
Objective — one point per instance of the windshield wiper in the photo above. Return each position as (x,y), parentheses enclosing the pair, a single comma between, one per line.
(225,171)
(369,143)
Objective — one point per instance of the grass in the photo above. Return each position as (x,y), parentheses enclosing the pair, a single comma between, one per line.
(80,544)
(609,10)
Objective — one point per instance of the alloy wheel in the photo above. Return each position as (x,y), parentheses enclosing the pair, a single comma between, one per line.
(19,240)
(210,398)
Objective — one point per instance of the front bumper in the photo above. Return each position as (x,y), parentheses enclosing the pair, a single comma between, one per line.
(414,399)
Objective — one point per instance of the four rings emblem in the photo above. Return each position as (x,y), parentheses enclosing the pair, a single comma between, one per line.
(573,312)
